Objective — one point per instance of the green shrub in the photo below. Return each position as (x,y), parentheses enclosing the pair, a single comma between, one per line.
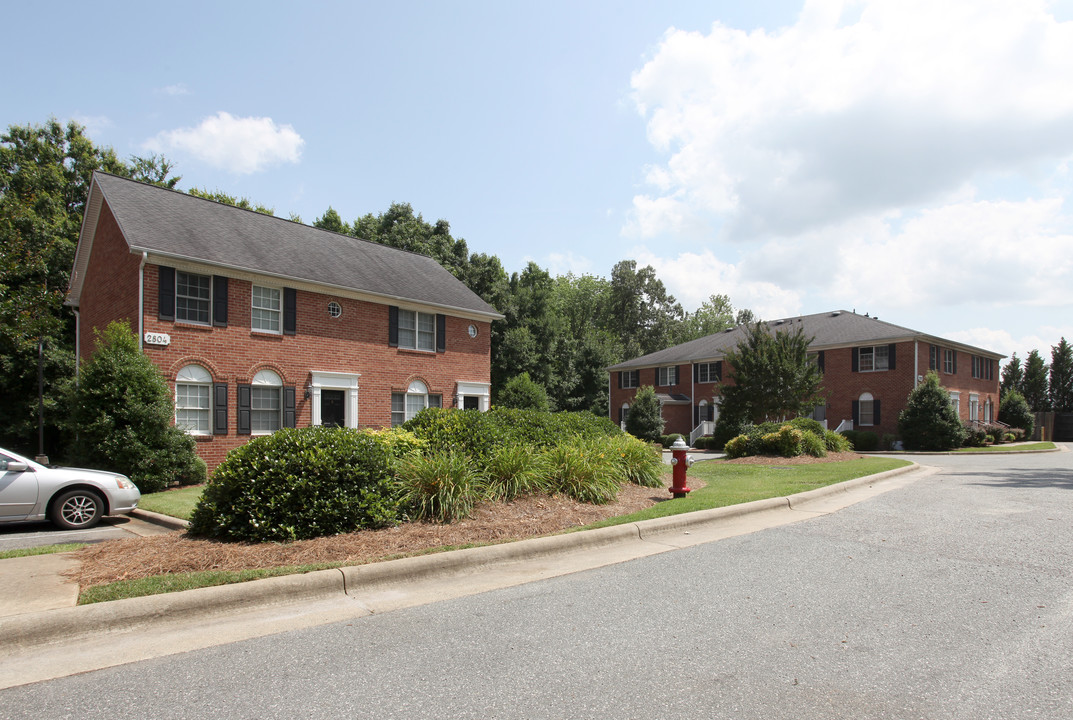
(645,419)
(996,431)
(862,440)
(514,470)
(299,483)
(449,430)
(974,436)
(725,429)
(887,441)
(640,464)
(399,443)
(704,442)
(1017,434)
(786,441)
(737,447)
(122,412)
(541,429)
(1014,411)
(524,393)
(576,469)
(805,424)
(441,486)
(836,442)
(667,440)
(929,421)
(812,444)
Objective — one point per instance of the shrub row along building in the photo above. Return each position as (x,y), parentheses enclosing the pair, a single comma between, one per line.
(260,323)
(869,368)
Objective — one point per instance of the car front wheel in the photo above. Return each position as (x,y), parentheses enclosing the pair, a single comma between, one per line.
(77,509)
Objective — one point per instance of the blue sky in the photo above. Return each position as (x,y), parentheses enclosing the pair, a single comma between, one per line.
(909,159)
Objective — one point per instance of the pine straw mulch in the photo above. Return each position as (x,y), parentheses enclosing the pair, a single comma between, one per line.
(527,517)
(490,523)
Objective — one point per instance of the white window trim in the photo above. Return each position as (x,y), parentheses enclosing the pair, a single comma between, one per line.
(874,357)
(955,401)
(630,375)
(278,310)
(198,376)
(482,390)
(664,373)
(347,382)
(707,369)
(866,398)
(207,323)
(417,389)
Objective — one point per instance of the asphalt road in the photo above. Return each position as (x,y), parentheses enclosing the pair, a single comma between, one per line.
(16,536)
(951,597)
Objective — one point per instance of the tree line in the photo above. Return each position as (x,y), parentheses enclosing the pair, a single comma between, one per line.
(562,331)
(1044,387)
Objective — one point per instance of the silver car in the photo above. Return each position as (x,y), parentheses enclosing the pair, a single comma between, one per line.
(71,498)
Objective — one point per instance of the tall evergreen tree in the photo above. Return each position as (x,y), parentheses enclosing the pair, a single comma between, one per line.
(929,421)
(772,377)
(1013,376)
(1034,387)
(1061,379)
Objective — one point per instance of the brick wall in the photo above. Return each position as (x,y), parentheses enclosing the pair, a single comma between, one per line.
(354,342)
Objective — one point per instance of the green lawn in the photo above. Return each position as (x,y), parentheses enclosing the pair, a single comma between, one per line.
(727,484)
(730,484)
(176,503)
(1010,448)
(43,550)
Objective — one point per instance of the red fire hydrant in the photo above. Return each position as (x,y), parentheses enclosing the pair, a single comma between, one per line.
(680,462)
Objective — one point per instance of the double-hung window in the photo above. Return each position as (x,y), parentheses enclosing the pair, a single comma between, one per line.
(193,295)
(417,330)
(266,403)
(981,368)
(192,412)
(629,378)
(404,406)
(873,358)
(267,309)
(708,372)
(866,403)
(948,361)
(667,375)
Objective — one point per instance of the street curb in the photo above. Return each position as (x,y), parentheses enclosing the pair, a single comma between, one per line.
(167,521)
(31,630)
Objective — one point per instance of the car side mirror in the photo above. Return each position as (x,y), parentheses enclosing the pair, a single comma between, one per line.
(16,466)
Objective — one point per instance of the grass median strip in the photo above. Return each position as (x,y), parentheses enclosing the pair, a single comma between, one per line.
(1009,448)
(42,550)
(178,503)
(726,484)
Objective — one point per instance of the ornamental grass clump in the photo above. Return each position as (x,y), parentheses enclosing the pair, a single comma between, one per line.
(441,486)
(638,461)
(586,473)
(515,470)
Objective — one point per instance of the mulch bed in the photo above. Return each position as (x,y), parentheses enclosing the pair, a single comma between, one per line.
(490,523)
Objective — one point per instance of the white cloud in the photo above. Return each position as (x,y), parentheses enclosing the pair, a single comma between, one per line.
(240,145)
(855,110)
(95,125)
(563,263)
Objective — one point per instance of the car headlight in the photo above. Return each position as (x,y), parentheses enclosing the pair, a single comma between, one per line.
(124,483)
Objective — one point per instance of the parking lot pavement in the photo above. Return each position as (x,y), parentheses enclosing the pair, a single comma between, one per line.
(16,536)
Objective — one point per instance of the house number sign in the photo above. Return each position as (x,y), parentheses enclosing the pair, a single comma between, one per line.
(152,338)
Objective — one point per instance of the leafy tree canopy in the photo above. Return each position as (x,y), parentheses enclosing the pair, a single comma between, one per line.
(772,376)
(522,393)
(1014,411)
(929,421)
(222,197)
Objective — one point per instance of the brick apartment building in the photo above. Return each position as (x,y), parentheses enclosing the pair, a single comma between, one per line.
(260,323)
(869,368)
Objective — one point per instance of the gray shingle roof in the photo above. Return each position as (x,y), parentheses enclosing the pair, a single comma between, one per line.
(174,224)
(830,329)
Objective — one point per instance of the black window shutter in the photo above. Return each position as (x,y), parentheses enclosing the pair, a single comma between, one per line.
(856,413)
(696,372)
(890,355)
(219,301)
(677,375)
(290,311)
(288,407)
(719,370)
(219,409)
(441,333)
(711,412)
(166,301)
(955,354)
(819,360)
(393,326)
(933,358)
(243,409)
(619,373)
(855,362)
(875,411)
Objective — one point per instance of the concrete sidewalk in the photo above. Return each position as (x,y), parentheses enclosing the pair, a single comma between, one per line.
(59,642)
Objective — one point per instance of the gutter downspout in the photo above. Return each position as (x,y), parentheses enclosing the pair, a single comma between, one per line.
(141,300)
(916,362)
(78,344)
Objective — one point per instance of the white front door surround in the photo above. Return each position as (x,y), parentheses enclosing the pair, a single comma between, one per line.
(347,382)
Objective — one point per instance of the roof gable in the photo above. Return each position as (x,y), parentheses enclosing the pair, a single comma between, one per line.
(172,224)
